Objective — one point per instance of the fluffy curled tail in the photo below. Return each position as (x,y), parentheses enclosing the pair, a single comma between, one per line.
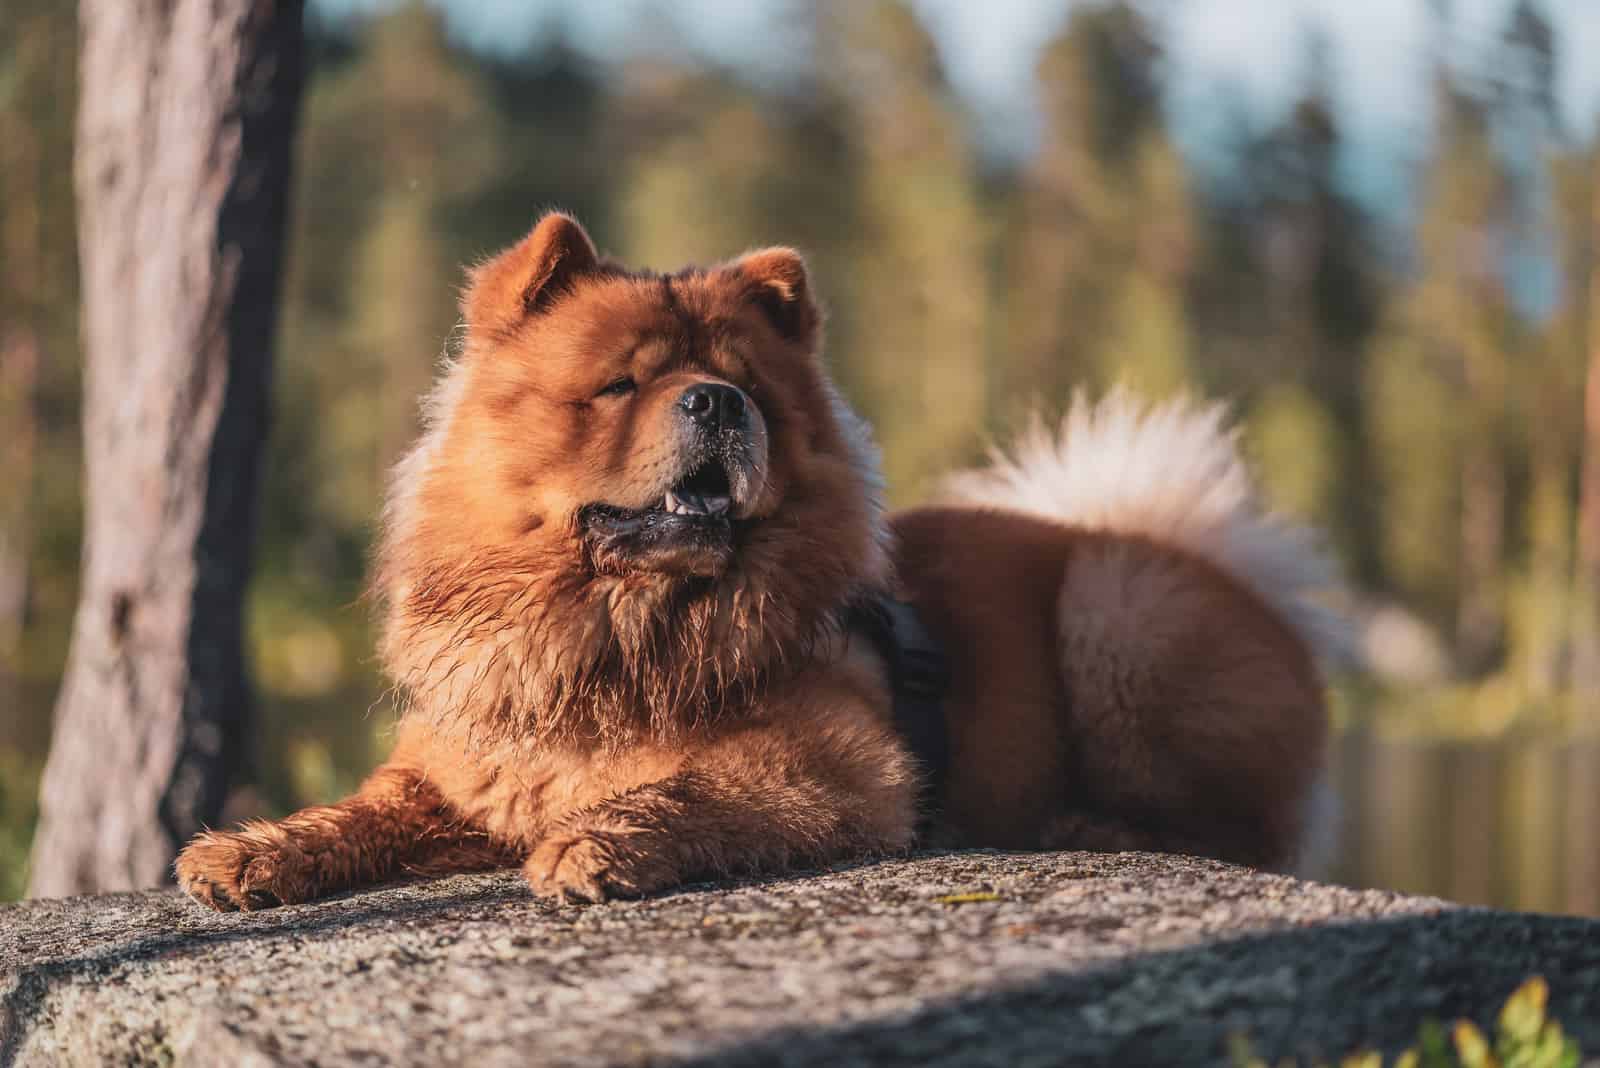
(1172,472)
(1161,727)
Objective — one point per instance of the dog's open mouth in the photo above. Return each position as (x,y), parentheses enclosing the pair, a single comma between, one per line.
(704,492)
(702,500)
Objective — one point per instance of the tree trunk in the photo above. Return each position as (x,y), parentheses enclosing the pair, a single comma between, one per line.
(1586,587)
(1480,620)
(1549,509)
(185,125)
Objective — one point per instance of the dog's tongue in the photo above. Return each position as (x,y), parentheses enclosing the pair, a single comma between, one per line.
(682,502)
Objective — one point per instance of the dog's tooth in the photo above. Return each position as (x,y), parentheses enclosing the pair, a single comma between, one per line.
(671,502)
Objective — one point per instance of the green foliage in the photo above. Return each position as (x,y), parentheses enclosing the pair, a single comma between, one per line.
(1414,457)
(1293,440)
(1523,1038)
(1099,243)
(915,281)
(19,809)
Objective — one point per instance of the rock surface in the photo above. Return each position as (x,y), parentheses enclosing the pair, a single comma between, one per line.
(952,959)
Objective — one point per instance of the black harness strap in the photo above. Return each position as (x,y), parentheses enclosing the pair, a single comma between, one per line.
(919,679)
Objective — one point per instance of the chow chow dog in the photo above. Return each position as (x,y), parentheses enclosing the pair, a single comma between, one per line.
(651,625)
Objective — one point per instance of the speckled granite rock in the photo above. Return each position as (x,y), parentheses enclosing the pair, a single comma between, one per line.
(954,959)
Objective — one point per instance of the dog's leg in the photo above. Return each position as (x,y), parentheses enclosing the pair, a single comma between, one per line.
(396,823)
(765,798)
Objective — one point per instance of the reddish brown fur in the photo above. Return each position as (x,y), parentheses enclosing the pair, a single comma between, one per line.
(1209,750)
(622,725)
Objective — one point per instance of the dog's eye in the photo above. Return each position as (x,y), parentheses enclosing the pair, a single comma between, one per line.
(620,388)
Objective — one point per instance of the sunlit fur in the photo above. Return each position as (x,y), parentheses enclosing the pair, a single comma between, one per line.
(493,615)
(1130,636)
(1172,472)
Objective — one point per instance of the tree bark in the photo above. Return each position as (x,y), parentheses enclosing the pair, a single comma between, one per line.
(185,127)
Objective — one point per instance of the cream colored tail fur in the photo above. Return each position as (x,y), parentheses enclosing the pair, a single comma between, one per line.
(1172,472)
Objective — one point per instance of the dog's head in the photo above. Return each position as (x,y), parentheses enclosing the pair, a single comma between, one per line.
(623,468)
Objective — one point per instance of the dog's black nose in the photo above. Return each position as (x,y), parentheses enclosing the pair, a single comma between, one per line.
(713,405)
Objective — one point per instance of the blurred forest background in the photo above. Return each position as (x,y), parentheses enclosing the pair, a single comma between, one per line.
(1411,373)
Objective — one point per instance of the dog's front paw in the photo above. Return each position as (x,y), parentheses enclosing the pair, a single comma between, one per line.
(594,866)
(256,868)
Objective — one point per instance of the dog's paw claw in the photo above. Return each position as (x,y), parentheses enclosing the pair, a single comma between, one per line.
(593,867)
(241,871)
(569,868)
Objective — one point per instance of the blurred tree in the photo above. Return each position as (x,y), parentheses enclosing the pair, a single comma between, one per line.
(36,294)
(1581,219)
(552,106)
(1524,69)
(151,722)
(916,282)
(1412,408)
(1545,387)
(1100,245)
(1458,322)
(1145,332)
(396,134)
(707,159)
(1314,280)
(19,369)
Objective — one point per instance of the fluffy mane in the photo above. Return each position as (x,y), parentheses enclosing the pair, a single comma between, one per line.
(524,642)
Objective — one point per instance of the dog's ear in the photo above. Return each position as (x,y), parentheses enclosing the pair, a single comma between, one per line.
(530,276)
(775,281)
